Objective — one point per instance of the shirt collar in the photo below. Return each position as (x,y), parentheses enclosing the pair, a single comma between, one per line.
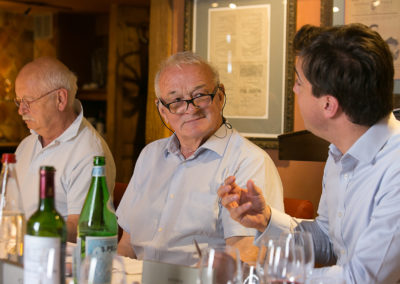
(216,143)
(371,142)
(73,129)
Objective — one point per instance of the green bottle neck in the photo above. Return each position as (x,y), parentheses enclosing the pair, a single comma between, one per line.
(46,204)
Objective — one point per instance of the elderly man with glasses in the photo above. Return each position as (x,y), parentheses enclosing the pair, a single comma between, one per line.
(60,136)
(172,199)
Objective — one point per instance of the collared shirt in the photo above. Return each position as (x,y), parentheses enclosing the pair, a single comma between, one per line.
(171,200)
(359,213)
(72,156)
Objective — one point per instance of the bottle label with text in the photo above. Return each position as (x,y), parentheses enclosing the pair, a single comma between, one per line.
(103,248)
(42,260)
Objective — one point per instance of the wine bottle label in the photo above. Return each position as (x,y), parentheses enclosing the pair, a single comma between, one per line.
(98,171)
(42,260)
(103,248)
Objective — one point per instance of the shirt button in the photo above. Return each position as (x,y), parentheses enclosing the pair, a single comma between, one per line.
(159,229)
(340,214)
(346,176)
(342,251)
(171,195)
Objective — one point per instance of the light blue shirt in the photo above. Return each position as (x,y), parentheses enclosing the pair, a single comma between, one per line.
(357,227)
(171,200)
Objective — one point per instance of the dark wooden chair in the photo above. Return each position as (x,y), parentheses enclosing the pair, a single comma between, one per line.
(119,190)
(299,208)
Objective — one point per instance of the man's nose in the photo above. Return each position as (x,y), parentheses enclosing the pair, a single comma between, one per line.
(22,109)
(191,107)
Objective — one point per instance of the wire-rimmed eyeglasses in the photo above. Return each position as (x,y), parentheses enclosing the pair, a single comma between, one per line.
(27,103)
(199,101)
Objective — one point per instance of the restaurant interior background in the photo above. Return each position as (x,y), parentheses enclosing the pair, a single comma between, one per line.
(115,46)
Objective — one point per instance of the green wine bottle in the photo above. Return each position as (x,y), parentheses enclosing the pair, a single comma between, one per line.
(97,225)
(46,236)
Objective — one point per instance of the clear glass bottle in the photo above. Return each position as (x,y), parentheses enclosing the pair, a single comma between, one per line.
(97,225)
(12,218)
(46,236)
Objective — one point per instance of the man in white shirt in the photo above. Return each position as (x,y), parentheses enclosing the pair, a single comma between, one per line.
(60,136)
(344,86)
(172,196)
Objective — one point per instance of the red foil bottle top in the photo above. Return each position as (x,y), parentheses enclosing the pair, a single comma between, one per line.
(8,158)
(46,181)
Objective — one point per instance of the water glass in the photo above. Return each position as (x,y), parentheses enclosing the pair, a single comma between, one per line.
(304,240)
(220,265)
(250,275)
(280,261)
(100,269)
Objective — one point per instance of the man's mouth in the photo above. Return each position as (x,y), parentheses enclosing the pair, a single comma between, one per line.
(27,118)
(193,119)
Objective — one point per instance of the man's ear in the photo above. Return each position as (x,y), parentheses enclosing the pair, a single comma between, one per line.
(161,110)
(331,106)
(62,99)
(221,94)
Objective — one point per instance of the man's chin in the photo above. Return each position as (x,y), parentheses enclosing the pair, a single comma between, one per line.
(29,123)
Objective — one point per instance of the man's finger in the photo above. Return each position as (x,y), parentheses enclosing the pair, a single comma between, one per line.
(227,200)
(237,213)
(229,180)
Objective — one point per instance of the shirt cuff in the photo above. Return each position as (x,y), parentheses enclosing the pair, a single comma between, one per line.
(278,223)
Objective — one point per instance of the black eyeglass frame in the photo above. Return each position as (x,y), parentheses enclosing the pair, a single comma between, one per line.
(191,101)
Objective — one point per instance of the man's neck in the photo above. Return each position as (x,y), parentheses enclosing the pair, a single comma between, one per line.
(57,128)
(346,134)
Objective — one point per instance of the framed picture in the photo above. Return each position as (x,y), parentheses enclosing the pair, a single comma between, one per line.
(383,16)
(249,42)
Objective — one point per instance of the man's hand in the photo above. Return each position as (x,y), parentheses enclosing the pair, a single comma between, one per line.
(246,206)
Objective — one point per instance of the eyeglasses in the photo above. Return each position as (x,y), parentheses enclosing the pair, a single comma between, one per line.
(27,103)
(200,101)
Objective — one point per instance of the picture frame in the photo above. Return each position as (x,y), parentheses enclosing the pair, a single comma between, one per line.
(329,18)
(271,77)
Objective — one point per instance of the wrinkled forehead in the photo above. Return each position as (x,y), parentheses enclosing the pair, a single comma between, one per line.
(187,73)
(29,84)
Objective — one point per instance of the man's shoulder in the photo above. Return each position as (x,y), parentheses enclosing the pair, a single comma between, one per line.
(156,146)
(28,140)
(238,140)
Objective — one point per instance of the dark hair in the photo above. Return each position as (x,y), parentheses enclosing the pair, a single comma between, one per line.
(352,63)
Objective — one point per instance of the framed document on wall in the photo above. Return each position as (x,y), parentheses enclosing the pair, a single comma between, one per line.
(249,42)
(382,16)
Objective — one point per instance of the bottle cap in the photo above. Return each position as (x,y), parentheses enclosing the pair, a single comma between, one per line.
(8,158)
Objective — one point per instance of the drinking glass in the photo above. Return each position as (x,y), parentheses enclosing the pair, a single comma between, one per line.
(100,269)
(250,275)
(281,261)
(220,265)
(304,239)
(47,267)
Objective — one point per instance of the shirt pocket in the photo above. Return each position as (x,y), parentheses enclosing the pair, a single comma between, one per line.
(199,215)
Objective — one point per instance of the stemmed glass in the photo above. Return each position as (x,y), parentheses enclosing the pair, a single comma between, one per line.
(100,269)
(220,265)
(280,260)
(304,239)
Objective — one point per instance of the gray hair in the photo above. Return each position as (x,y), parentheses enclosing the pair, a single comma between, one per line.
(181,58)
(53,74)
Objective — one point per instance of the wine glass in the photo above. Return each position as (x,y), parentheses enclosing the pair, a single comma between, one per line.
(250,275)
(304,239)
(48,270)
(102,268)
(281,261)
(220,265)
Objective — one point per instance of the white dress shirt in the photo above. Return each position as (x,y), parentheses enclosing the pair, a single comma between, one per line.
(72,156)
(171,200)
